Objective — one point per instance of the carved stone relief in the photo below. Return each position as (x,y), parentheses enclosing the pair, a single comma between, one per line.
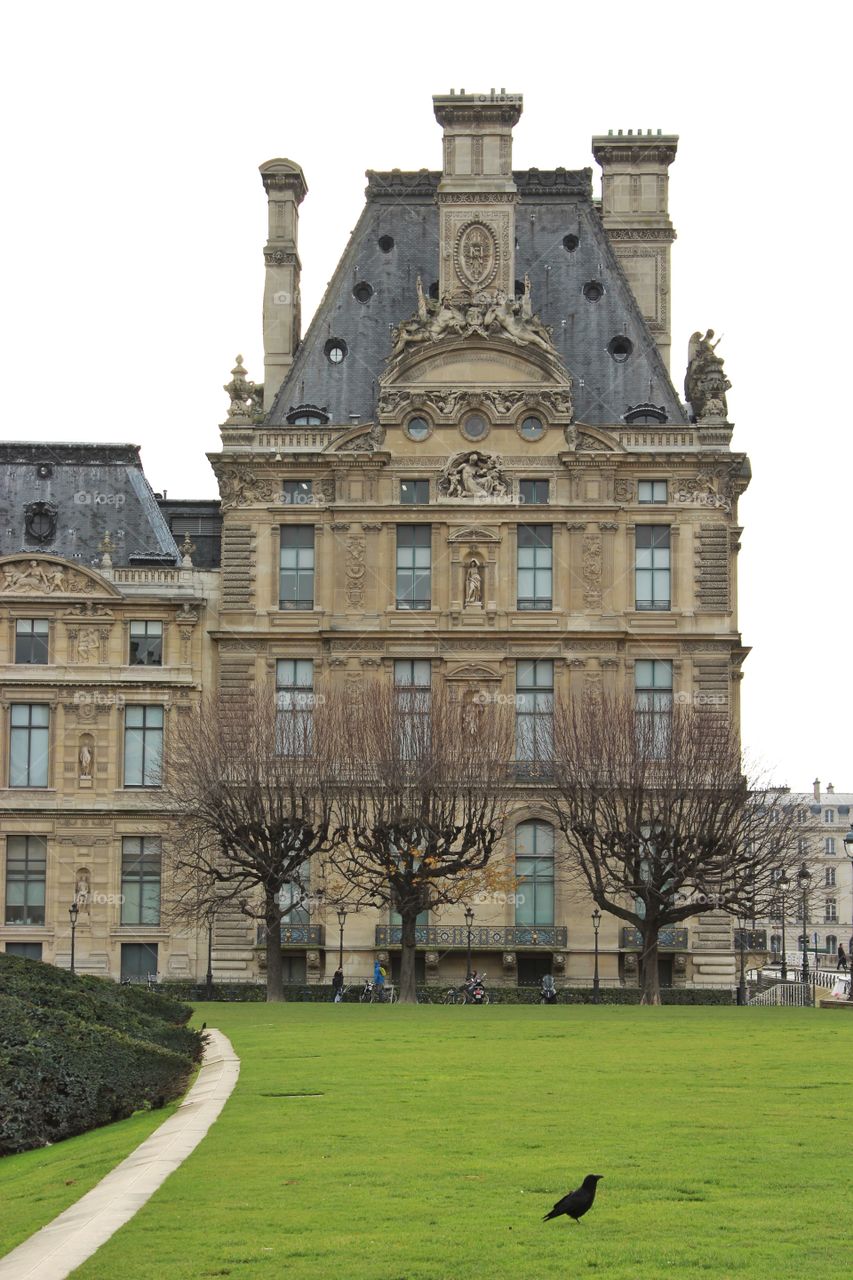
(592,571)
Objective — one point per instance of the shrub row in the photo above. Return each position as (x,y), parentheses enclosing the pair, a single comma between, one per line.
(76,1053)
(318,993)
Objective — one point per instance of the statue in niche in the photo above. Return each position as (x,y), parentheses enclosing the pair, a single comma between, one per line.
(82,888)
(473,583)
(86,757)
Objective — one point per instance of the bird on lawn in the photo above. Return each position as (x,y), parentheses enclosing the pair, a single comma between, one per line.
(577,1202)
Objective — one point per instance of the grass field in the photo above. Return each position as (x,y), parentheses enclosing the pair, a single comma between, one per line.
(431,1142)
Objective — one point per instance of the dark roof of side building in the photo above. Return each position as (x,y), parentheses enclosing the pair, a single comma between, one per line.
(554,205)
(199,519)
(63,499)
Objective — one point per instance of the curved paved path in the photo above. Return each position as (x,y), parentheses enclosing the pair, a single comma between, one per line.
(54,1251)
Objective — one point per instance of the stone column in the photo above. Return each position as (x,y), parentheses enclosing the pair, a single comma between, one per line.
(285,186)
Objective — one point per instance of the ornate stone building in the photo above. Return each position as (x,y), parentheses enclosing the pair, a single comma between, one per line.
(475,468)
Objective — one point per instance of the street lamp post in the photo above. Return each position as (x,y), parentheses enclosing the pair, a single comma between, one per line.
(209,975)
(848,849)
(469,921)
(342,919)
(596,983)
(804,879)
(741,989)
(784,882)
(73,912)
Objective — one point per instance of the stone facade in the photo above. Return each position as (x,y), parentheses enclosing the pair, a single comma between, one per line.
(475,462)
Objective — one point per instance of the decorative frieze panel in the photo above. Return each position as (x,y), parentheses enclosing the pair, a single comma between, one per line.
(237,565)
(712,568)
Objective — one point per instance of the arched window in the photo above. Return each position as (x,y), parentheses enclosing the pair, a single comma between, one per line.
(534,869)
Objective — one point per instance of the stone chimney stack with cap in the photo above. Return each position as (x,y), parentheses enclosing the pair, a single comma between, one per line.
(284,183)
(817,789)
(635,213)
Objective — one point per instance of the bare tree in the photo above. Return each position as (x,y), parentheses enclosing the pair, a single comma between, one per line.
(422,789)
(659,820)
(250,794)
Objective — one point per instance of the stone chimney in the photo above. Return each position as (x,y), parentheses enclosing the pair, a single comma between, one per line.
(635,213)
(830,789)
(285,186)
(817,789)
(477,195)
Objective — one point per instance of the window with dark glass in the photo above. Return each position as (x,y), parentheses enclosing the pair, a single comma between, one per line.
(146,644)
(26,867)
(139,961)
(534,700)
(297,493)
(535,557)
(296,583)
(31,640)
(652,571)
(533,492)
(143,746)
(140,880)
(29,744)
(414,493)
(294,688)
(24,950)
(414,566)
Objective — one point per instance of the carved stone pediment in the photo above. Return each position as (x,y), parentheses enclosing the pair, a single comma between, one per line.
(585,439)
(365,438)
(50,576)
(472,671)
(473,534)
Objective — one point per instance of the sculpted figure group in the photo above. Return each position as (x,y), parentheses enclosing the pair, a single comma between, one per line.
(487,314)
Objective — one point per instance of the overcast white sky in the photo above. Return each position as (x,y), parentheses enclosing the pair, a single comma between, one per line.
(134,218)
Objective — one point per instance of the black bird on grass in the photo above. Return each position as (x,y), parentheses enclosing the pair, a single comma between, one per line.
(577,1202)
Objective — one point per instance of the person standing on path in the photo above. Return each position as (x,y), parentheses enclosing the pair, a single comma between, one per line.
(337,985)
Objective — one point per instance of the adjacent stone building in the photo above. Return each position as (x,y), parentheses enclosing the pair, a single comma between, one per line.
(473,468)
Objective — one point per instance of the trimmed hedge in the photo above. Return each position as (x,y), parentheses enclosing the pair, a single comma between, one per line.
(319,993)
(76,1053)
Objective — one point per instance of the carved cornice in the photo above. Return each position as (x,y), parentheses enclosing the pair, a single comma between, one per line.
(400,185)
(274,257)
(641,233)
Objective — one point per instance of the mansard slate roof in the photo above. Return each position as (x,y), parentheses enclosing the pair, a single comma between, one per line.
(553,204)
(87,490)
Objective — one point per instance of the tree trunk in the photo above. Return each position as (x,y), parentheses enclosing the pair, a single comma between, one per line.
(649,975)
(408,980)
(275,969)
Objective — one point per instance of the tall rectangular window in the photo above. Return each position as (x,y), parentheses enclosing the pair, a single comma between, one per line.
(829,877)
(534,869)
(534,700)
(829,844)
(31,640)
(294,686)
(652,566)
(140,880)
(535,559)
(414,566)
(29,742)
(146,644)
(412,681)
(830,911)
(533,493)
(26,867)
(143,746)
(653,704)
(414,493)
(296,582)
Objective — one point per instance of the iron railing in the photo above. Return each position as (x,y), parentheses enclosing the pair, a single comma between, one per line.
(483,936)
(297,935)
(668,939)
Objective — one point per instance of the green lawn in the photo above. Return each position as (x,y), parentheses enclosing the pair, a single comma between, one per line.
(37,1185)
(435,1139)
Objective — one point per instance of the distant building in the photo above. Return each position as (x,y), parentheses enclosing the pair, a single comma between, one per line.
(473,467)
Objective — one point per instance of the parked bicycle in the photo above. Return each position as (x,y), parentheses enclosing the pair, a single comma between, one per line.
(472,991)
(377,993)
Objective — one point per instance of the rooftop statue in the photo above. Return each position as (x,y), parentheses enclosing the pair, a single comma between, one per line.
(246,398)
(705,383)
(488,314)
